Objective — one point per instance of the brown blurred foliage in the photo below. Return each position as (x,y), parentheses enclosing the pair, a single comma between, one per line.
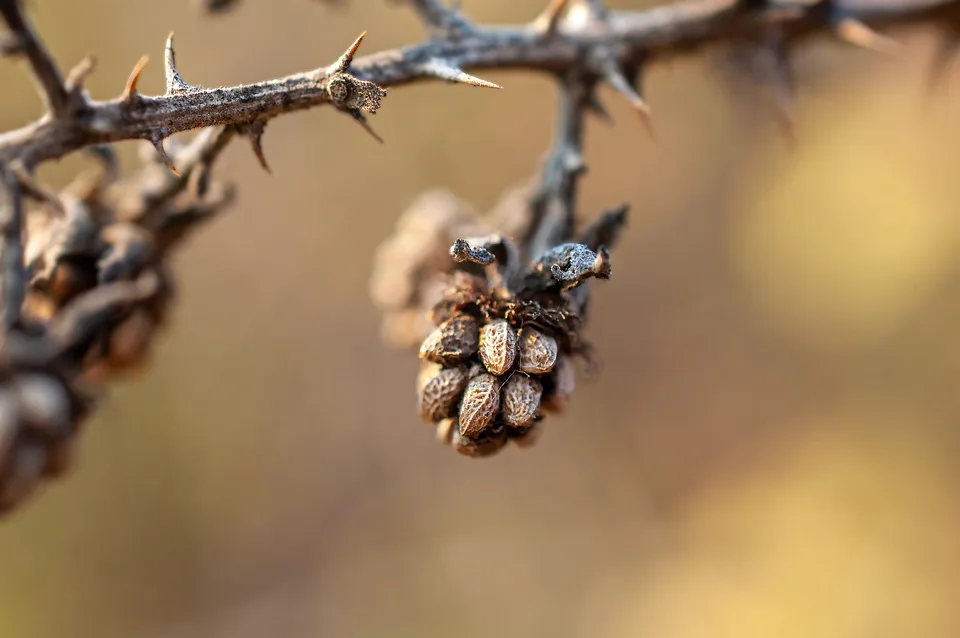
(768,450)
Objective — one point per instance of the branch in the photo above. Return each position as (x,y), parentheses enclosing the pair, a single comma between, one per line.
(623,40)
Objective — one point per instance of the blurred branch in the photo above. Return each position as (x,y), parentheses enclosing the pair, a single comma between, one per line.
(591,38)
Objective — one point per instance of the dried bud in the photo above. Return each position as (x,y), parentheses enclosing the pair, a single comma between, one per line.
(521,400)
(486,445)
(538,352)
(498,346)
(480,404)
(454,340)
(440,390)
(564,382)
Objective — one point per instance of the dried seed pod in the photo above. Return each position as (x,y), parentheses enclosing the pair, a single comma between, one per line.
(521,400)
(440,391)
(453,340)
(538,352)
(563,380)
(480,404)
(485,445)
(498,346)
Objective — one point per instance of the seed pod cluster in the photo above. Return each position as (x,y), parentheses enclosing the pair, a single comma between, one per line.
(97,288)
(497,338)
(99,231)
(486,381)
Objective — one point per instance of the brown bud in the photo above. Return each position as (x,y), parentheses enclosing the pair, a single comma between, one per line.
(440,388)
(538,352)
(485,445)
(521,400)
(564,383)
(498,346)
(454,339)
(480,404)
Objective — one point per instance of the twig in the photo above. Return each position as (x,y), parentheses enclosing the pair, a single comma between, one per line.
(632,37)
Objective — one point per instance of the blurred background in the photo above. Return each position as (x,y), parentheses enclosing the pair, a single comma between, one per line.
(768,449)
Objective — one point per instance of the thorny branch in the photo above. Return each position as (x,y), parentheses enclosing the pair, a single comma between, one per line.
(586,36)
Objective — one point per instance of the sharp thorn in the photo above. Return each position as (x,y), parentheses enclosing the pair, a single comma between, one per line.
(79,73)
(362,121)
(549,19)
(255,133)
(343,63)
(619,83)
(855,32)
(444,71)
(130,88)
(175,83)
(158,144)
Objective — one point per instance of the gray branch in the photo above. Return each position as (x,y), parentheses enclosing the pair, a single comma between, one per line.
(632,37)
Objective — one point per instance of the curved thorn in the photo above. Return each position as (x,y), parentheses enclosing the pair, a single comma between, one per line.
(80,72)
(362,121)
(444,71)
(549,19)
(175,83)
(855,32)
(619,83)
(158,144)
(343,63)
(255,133)
(130,88)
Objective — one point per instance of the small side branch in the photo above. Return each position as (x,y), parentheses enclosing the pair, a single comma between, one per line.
(45,72)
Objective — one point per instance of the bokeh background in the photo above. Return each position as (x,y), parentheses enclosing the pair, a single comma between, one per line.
(768,450)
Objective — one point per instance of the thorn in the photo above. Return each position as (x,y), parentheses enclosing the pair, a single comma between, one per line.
(175,83)
(343,63)
(619,82)
(549,19)
(357,115)
(855,32)
(444,71)
(130,88)
(158,144)
(79,73)
(255,133)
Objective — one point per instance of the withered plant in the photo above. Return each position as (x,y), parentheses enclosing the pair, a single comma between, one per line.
(496,304)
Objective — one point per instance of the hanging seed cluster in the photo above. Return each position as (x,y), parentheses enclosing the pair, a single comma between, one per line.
(98,288)
(100,231)
(487,379)
(497,340)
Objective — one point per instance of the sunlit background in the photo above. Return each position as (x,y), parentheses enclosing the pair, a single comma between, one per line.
(769,449)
